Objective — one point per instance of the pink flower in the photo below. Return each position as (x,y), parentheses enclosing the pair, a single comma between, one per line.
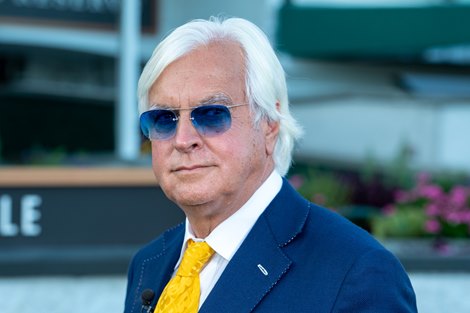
(388,210)
(430,191)
(466,215)
(439,206)
(455,217)
(402,196)
(459,196)
(432,226)
(432,209)
(296,181)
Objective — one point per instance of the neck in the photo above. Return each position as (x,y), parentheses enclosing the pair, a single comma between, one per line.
(206,217)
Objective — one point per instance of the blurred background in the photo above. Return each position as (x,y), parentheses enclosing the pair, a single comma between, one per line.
(381,88)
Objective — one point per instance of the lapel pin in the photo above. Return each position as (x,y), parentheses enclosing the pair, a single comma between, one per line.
(263,270)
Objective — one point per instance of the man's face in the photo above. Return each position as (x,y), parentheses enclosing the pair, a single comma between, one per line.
(210,177)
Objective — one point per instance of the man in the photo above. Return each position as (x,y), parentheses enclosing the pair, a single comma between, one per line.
(214,104)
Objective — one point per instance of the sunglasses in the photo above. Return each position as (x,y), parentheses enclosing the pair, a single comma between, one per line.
(209,120)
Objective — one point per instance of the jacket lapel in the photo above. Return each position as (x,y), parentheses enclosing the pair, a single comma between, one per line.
(260,262)
(253,271)
(156,270)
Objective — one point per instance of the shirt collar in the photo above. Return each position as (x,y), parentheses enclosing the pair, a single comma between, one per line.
(227,237)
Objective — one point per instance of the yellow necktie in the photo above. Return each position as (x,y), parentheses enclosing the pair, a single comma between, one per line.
(182,292)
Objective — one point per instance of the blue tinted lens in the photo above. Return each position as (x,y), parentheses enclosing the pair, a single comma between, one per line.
(158,124)
(209,120)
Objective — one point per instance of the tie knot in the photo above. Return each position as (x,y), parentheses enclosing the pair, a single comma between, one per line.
(195,257)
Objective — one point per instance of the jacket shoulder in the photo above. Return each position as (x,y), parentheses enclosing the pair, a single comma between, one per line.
(160,244)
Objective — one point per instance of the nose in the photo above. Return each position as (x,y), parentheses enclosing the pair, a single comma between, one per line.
(186,138)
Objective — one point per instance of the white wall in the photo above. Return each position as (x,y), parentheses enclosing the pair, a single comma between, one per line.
(353,111)
(454,150)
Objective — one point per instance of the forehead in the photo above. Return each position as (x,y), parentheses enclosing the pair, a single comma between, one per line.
(216,68)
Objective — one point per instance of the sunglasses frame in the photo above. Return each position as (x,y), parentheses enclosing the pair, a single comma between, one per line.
(196,124)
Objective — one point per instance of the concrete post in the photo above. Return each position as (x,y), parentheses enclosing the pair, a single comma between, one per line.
(127,136)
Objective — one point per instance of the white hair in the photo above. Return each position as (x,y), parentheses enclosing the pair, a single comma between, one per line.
(265,79)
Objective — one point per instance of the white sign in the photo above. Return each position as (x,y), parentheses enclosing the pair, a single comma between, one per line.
(29,215)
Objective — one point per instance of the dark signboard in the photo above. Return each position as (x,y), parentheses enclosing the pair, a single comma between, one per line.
(102,14)
(81,230)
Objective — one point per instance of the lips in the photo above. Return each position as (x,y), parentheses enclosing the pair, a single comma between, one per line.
(189,168)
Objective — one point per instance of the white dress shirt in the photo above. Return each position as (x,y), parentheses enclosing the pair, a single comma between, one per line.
(227,237)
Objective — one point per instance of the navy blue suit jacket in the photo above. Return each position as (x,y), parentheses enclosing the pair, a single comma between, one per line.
(314,261)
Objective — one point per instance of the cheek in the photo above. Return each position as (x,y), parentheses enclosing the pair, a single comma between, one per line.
(248,148)
(154,154)
(160,149)
(158,161)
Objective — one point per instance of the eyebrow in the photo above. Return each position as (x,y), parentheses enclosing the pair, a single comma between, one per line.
(218,98)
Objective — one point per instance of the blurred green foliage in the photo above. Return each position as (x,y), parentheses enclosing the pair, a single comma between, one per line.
(324,188)
(406,221)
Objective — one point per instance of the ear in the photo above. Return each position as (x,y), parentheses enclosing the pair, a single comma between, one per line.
(271,131)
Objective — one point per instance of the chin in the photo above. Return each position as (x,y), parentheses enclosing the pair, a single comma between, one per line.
(189,197)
